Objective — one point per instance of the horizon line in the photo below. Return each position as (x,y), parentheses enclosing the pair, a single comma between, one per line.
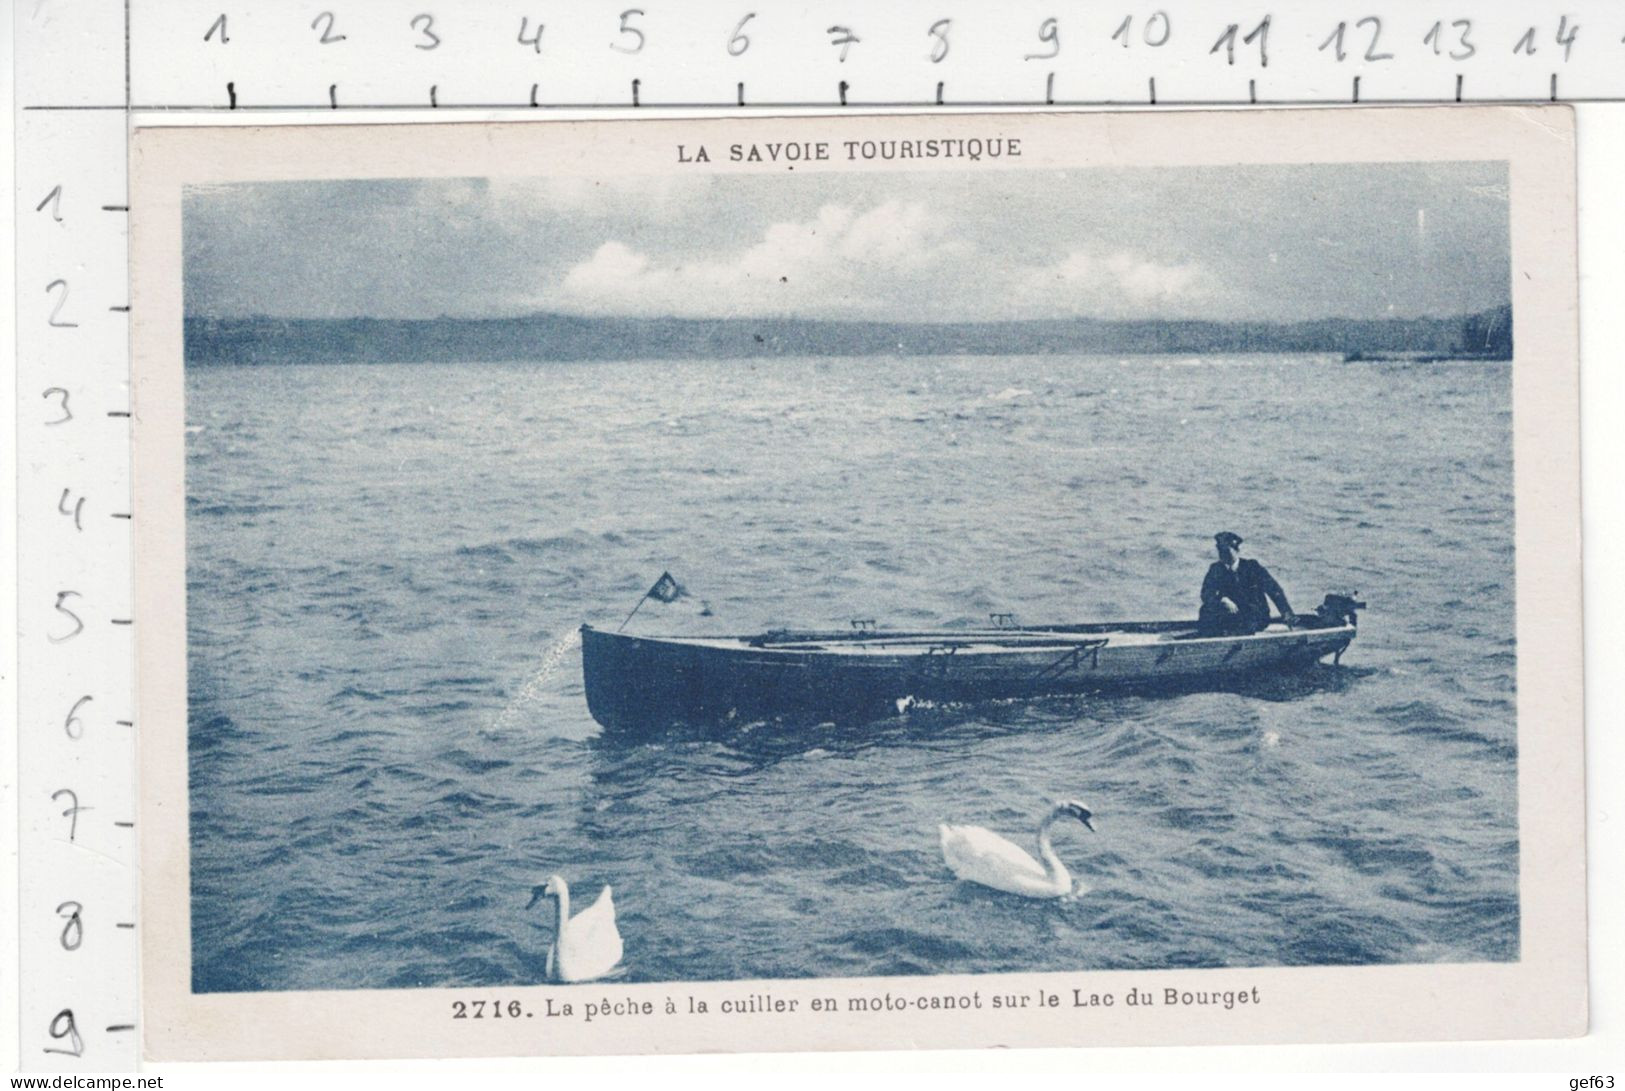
(915,322)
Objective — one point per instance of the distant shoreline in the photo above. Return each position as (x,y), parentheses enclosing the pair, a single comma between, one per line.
(1486,335)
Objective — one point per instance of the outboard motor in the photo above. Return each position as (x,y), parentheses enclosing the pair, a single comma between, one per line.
(1339,610)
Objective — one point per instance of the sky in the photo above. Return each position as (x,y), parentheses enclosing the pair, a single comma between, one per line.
(1226,243)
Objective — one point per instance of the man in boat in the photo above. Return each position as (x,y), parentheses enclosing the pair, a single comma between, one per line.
(1237,592)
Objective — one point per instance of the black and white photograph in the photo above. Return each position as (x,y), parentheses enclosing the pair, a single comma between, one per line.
(903,554)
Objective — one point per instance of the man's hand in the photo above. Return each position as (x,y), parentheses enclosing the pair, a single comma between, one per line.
(1229,607)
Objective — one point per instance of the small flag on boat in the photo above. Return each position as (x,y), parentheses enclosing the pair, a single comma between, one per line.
(666,589)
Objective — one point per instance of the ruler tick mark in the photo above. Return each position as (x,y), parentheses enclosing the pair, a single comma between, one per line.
(116,1027)
(115,208)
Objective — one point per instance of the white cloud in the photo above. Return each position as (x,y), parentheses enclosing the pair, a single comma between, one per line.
(1117,285)
(612,269)
(1149,280)
(895,259)
(841,262)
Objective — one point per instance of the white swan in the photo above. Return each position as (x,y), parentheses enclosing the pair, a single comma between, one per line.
(982,856)
(586,946)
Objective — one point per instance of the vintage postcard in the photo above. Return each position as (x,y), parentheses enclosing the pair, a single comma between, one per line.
(858,582)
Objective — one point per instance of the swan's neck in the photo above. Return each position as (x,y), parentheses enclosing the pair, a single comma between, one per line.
(563,895)
(1057,872)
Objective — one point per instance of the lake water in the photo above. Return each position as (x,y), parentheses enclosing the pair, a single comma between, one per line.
(390,746)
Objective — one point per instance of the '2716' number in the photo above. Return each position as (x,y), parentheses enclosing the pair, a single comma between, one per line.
(486,1009)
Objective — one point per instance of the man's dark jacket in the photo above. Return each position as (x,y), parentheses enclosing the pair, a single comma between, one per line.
(1250,587)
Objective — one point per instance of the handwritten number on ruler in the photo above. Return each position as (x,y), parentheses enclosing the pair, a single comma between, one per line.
(77,511)
(1335,38)
(1227,42)
(844,38)
(328,37)
(1464,47)
(939,45)
(1565,38)
(219,25)
(628,28)
(73,932)
(64,1029)
(61,302)
(72,813)
(78,626)
(1371,54)
(1156,31)
(739,41)
(1566,35)
(424,24)
(73,725)
(524,25)
(1048,31)
(58,392)
(54,199)
(1155,36)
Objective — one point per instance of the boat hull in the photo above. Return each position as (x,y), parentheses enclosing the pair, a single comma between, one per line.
(638,683)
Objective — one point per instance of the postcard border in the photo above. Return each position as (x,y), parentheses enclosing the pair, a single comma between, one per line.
(1543,994)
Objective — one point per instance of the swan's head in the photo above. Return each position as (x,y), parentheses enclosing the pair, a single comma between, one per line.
(548,889)
(1074,809)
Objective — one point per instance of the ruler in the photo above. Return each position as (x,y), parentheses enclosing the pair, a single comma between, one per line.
(75,636)
(86,73)
(212,55)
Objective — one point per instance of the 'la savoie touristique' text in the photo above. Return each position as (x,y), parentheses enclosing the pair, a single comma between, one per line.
(790,153)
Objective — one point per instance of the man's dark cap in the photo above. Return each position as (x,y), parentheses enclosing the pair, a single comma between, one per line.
(1227,538)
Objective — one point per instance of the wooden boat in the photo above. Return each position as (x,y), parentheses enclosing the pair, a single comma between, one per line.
(646,682)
